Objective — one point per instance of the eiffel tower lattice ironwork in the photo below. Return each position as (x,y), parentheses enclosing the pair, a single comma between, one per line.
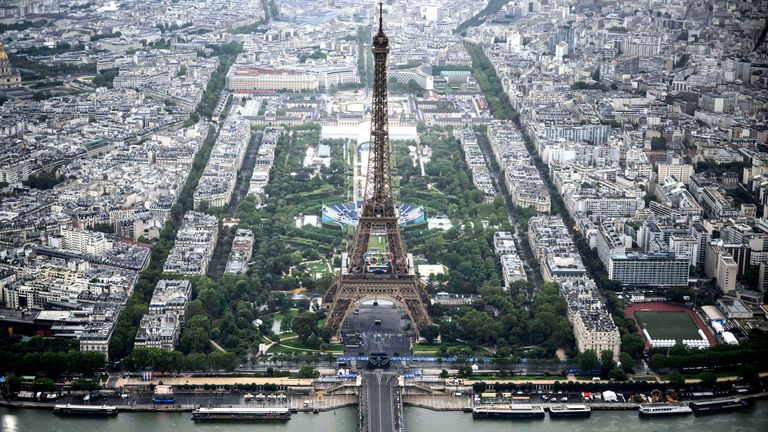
(376,265)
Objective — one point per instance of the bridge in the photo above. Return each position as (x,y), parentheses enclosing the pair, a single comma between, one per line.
(380,332)
(381,403)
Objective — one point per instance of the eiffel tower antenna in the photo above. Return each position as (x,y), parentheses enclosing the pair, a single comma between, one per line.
(376,264)
(381,17)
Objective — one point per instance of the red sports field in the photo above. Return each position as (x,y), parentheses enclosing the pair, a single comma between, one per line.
(629,312)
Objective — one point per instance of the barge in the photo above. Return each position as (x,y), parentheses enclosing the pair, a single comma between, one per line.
(163,395)
(85,410)
(511,411)
(716,406)
(241,414)
(559,411)
(664,410)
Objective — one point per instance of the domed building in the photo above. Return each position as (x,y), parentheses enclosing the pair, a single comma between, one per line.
(9,78)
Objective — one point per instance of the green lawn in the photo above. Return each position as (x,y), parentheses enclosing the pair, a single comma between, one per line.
(668,325)
(293,345)
(378,242)
(425,348)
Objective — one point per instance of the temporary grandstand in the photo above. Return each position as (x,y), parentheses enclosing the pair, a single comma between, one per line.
(345,214)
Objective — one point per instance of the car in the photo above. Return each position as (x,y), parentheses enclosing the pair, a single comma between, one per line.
(377,322)
(357,312)
(564,399)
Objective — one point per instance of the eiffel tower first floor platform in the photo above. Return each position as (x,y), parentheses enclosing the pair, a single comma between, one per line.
(349,291)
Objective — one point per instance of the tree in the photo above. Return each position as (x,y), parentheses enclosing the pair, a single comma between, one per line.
(606,359)
(749,373)
(305,326)
(676,378)
(626,362)
(465,371)
(219,360)
(443,374)
(308,372)
(43,180)
(708,378)
(657,362)
(633,344)
(618,374)
(587,361)
(194,339)
(430,332)
(658,143)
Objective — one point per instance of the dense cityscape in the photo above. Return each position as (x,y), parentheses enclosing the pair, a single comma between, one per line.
(246,209)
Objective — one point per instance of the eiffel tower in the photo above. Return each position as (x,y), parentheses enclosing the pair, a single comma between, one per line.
(376,265)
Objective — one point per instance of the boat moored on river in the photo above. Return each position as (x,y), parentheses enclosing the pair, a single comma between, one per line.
(85,410)
(655,410)
(569,410)
(716,406)
(511,411)
(242,414)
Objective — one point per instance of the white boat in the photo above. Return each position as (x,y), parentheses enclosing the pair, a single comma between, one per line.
(664,410)
(569,411)
(508,411)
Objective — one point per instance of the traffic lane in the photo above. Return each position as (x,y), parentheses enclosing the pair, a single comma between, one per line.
(380,402)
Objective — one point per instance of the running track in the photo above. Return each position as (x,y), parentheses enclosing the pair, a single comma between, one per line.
(666,307)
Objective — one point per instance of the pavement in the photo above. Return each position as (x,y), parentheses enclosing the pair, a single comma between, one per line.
(439,402)
(389,336)
(201,380)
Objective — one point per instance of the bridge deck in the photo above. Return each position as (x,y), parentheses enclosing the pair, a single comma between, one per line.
(381,405)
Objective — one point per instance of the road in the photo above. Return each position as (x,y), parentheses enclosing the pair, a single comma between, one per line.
(381,405)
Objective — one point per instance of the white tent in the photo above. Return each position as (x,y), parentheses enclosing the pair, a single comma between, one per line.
(609,396)
(730,339)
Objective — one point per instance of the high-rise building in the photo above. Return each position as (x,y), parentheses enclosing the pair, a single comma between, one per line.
(564,33)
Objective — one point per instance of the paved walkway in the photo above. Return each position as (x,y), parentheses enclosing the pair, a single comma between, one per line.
(217,346)
(200,381)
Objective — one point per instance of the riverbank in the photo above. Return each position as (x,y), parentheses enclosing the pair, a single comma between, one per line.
(415,420)
(296,403)
(323,403)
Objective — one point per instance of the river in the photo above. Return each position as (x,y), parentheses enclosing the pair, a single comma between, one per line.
(416,420)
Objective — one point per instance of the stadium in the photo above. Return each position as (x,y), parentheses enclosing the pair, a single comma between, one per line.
(663,325)
(345,214)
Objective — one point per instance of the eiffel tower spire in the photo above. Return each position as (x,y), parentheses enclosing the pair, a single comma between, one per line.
(376,264)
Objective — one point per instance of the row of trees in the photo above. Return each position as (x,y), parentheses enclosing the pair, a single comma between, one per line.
(174,361)
(721,357)
(227,54)
(121,343)
(50,358)
(491,9)
(482,68)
